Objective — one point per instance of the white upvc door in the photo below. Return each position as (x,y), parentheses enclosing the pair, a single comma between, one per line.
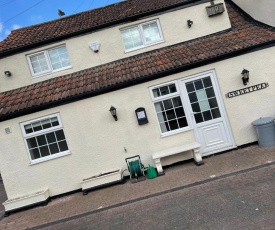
(207,113)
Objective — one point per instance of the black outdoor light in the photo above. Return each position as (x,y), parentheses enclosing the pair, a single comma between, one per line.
(7,73)
(113,112)
(189,23)
(245,77)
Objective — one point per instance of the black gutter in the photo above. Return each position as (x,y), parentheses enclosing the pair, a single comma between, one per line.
(99,27)
(138,81)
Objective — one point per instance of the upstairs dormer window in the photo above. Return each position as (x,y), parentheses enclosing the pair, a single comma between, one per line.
(49,61)
(141,35)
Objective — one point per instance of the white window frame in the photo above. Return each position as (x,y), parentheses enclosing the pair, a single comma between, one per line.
(47,57)
(142,35)
(41,132)
(168,96)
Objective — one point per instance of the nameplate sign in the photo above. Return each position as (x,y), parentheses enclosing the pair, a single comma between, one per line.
(249,89)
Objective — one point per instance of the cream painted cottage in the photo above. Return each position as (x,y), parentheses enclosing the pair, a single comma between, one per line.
(171,68)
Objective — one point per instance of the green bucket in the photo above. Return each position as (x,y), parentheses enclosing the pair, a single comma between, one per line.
(151,172)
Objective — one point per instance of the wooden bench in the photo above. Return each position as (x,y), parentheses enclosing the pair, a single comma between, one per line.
(194,147)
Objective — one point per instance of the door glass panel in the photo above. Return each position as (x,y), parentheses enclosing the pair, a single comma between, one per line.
(216,113)
(190,87)
(203,100)
(213,103)
(198,117)
(207,82)
(198,85)
(201,95)
(210,92)
(193,97)
(196,107)
(204,105)
(207,116)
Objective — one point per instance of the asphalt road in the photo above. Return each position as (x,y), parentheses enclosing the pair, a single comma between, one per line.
(241,201)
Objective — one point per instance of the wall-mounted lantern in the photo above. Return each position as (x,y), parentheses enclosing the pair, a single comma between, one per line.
(245,74)
(95,46)
(7,73)
(113,112)
(189,23)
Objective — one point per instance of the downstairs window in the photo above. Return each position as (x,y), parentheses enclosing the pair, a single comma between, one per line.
(45,138)
(169,108)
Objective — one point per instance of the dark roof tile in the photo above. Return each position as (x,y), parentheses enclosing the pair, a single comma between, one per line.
(85,21)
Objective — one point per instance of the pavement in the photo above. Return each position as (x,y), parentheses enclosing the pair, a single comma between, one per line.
(240,167)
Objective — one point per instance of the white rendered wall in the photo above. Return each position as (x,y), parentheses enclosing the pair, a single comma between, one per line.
(261,10)
(97,142)
(173,25)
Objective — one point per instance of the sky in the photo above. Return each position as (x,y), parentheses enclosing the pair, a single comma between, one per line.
(16,14)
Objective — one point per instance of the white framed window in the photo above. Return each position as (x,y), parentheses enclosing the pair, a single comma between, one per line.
(169,108)
(45,138)
(141,35)
(49,61)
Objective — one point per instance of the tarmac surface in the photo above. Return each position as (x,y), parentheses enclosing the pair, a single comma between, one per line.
(233,190)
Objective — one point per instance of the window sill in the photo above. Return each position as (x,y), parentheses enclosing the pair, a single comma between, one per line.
(144,46)
(175,132)
(34,162)
(52,72)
